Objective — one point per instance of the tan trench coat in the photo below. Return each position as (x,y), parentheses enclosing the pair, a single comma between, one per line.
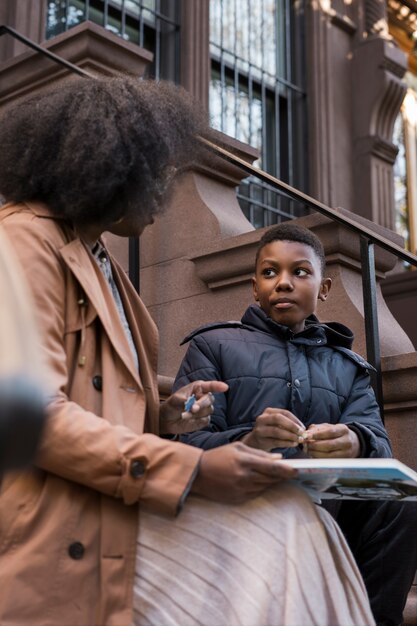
(68,527)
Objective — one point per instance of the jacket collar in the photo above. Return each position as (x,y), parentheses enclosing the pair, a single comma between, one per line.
(332,333)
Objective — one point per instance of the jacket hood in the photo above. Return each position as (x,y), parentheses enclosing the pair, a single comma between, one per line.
(334,333)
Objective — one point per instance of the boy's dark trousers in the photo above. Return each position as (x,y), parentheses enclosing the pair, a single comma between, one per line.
(383,538)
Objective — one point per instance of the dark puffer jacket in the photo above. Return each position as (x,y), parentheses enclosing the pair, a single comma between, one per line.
(313,374)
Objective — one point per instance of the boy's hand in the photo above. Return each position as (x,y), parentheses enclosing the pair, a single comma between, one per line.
(235,473)
(275,428)
(174,419)
(323,441)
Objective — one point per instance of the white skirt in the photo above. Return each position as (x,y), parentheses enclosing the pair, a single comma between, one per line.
(277,560)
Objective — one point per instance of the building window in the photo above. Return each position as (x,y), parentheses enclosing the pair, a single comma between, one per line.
(402,16)
(257,95)
(405,168)
(400,181)
(152,24)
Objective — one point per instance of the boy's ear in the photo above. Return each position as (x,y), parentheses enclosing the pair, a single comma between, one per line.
(325,286)
(255,289)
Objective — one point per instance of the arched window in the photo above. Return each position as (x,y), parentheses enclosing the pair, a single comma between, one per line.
(402,16)
(405,170)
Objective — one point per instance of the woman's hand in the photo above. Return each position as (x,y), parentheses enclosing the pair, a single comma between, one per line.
(235,473)
(275,428)
(175,420)
(324,441)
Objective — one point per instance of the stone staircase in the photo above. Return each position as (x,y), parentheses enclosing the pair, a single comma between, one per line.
(197,262)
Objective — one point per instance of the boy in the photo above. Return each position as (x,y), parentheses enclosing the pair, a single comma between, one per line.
(294,384)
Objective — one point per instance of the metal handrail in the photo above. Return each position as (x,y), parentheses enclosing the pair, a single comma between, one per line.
(296,194)
(367,236)
(35,46)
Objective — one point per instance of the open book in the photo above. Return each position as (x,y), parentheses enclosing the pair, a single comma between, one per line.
(356,479)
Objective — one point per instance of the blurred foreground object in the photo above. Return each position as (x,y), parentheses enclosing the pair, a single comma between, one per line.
(22,404)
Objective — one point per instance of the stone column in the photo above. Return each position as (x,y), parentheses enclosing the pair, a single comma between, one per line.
(195,52)
(400,399)
(204,212)
(330,29)
(28,17)
(377,93)
(376,23)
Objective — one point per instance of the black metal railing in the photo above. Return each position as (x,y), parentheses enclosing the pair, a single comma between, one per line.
(368,237)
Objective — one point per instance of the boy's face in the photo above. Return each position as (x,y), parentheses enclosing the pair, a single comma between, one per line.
(288,282)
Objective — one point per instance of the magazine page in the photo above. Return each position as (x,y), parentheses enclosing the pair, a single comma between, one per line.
(356,479)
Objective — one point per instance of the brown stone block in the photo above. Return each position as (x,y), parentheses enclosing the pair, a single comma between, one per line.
(203,209)
(170,281)
(410,612)
(87,45)
(400,404)
(176,319)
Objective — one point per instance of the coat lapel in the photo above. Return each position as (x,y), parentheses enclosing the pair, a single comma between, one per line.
(82,265)
(145,336)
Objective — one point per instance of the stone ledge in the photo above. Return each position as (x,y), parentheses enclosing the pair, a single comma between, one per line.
(87,45)
(231,261)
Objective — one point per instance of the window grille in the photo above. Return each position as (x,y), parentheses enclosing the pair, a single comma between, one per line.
(257,95)
(152,24)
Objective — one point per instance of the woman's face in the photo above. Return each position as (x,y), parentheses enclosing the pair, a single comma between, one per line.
(133,225)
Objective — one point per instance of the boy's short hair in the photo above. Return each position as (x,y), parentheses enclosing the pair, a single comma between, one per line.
(288,231)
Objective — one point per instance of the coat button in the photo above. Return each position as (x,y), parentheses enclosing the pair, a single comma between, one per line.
(137,469)
(98,383)
(76,550)
(297,382)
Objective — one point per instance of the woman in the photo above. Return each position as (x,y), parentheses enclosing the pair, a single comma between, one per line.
(94,156)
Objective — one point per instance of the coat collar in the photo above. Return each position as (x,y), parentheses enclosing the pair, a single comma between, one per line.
(37,208)
(80,262)
(333,333)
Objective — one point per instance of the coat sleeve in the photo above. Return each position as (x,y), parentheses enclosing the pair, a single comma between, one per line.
(361,414)
(201,363)
(78,445)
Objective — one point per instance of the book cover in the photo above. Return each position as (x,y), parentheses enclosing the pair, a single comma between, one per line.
(356,479)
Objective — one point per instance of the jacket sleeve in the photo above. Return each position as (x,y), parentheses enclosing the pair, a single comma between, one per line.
(202,363)
(79,445)
(361,414)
